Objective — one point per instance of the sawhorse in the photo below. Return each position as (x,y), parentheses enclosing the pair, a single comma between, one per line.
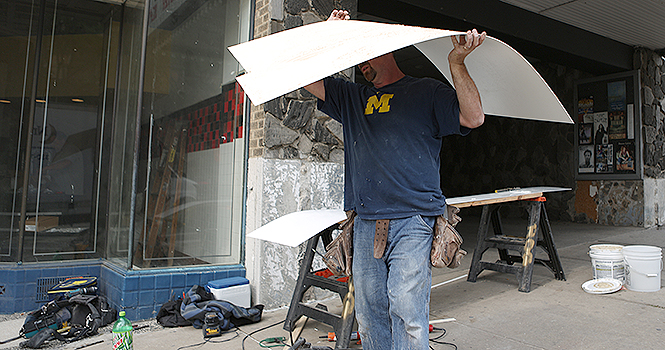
(342,324)
(538,223)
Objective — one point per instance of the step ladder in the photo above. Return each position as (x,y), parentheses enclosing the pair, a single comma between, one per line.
(342,324)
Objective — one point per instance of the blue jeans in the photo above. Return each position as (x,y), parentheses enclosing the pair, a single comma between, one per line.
(392,293)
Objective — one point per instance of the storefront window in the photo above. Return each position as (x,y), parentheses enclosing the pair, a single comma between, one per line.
(191,163)
(56,64)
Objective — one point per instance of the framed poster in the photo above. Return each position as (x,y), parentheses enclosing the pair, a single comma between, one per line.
(608,144)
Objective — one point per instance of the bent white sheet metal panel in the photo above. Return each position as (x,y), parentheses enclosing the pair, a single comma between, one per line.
(297,227)
(286,61)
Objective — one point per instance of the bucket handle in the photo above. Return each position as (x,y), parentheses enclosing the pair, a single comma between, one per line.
(642,273)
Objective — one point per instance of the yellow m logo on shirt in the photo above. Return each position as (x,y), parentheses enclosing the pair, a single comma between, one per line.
(382,105)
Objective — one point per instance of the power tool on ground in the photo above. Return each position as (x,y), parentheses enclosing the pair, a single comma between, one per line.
(211,327)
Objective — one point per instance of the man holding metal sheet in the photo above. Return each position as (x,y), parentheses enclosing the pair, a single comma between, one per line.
(392,139)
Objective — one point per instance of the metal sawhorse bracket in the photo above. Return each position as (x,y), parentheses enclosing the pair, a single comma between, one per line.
(342,324)
(538,223)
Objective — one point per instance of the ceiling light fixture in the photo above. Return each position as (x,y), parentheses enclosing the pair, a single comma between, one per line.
(77,100)
(5,101)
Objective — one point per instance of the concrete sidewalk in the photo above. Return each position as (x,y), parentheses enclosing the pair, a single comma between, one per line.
(489,314)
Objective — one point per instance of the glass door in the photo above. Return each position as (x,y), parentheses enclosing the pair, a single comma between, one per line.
(56,81)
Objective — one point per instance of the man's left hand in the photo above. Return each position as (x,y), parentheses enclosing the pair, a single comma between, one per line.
(463,45)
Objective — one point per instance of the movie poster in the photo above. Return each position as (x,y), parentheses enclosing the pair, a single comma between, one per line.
(600,125)
(586,133)
(584,107)
(616,95)
(604,159)
(586,159)
(625,157)
(617,130)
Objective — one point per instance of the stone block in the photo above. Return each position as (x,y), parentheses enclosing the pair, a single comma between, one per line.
(335,128)
(304,145)
(649,134)
(323,7)
(295,7)
(310,17)
(648,95)
(276,134)
(336,156)
(649,114)
(292,22)
(322,150)
(276,27)
(320,133)
(275,107)
(277,9)
(298,114)
(658,92)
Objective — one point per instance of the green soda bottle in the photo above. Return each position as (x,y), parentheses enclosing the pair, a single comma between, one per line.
(122,333)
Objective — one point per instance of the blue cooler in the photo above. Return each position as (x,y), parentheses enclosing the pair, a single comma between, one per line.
(235,290)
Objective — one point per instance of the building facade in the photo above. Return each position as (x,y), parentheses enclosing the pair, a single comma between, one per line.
(131,154)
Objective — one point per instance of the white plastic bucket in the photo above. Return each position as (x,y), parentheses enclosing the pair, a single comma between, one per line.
(643,266)
(607,261)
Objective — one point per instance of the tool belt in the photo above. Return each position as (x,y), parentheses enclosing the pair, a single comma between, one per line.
(339,253)
(446,243)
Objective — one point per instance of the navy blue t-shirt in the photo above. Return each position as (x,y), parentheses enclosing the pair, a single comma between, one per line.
(392,141)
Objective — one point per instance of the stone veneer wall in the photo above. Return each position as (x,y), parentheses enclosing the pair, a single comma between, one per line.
(296,161)
(652,78)
(653,116)
(290,127)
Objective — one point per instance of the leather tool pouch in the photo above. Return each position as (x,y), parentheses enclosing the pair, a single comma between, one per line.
(339,253)
(447,242)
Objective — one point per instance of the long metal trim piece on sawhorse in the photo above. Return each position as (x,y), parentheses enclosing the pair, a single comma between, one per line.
(523,270)
(342,324)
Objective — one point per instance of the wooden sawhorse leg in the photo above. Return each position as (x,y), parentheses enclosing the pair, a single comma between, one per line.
(342,324)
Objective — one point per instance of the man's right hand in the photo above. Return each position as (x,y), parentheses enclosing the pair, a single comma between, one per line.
(317,88)
(339,15)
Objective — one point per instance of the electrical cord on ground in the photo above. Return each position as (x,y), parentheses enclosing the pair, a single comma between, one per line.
(436,340)
(256,331)
(207,340)
(273,342)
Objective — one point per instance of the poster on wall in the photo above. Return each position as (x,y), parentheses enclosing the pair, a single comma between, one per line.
(607,138)
(625,157)
(604,159)
(586,133)
(616,95)
(585,107)
(600,125)
(617,129)
(586,159)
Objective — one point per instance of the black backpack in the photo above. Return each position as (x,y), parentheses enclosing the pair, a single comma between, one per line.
(69,319)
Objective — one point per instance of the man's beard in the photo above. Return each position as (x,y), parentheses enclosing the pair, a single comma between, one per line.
(369,74)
